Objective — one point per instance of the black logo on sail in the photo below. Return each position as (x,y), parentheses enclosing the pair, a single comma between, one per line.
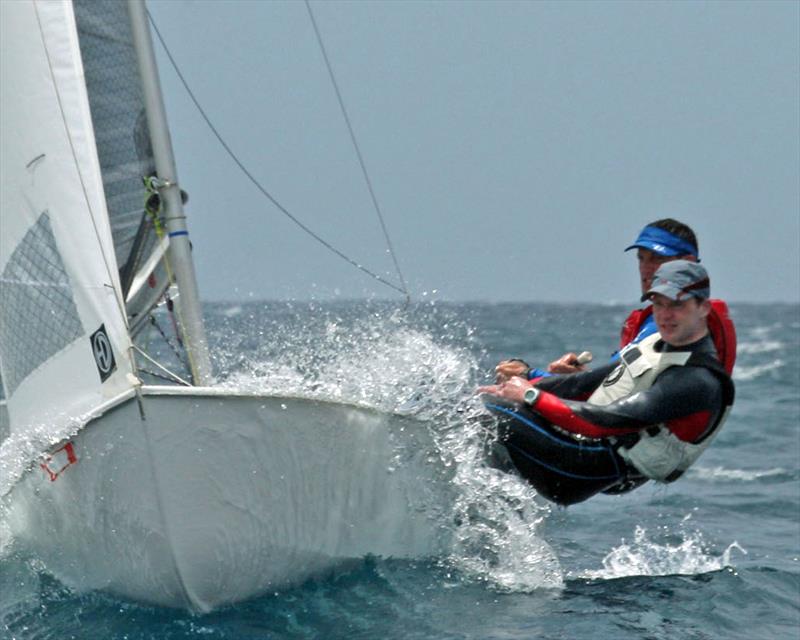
(103,354)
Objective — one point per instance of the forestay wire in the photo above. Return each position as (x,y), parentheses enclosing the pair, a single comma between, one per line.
(401,289)
(358,151)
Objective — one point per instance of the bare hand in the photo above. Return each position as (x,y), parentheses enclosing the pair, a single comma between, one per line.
(513,389)
(568,363)
(508,369)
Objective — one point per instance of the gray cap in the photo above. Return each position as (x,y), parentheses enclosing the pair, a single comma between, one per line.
(679,279)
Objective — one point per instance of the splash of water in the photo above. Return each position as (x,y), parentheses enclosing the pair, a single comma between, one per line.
(19,451)
(390,365)
(497,517)
(646,556)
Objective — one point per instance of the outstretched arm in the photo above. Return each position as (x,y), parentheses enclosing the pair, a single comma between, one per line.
(683,397)
(578,385)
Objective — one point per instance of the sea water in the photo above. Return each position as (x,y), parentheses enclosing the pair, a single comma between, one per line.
(714,555)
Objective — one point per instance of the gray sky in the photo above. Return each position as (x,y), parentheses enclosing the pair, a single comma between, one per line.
(515,147)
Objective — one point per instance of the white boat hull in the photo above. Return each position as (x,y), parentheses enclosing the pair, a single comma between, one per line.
(213,498)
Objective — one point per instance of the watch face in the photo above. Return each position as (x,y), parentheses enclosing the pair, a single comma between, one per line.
(531,395)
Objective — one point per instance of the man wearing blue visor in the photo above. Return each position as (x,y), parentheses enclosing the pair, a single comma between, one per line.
(659,242)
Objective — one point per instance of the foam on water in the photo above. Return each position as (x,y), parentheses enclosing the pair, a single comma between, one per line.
(741,373)
(724,475)
(761,350)
(762,346)
(662,554)
(231,312)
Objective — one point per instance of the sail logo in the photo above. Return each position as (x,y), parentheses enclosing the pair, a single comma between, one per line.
(103,353)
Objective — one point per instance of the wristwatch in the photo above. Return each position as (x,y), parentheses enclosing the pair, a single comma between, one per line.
(531,395)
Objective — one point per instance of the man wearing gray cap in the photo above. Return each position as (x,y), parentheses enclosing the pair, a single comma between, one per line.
(664,400)
(658,243)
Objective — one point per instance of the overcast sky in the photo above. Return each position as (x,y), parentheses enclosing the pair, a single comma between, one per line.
(515,148)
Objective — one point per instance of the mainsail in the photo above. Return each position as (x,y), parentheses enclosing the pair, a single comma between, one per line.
(64,344)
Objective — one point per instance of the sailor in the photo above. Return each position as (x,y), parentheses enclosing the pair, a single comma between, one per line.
(659,242)
(666,397)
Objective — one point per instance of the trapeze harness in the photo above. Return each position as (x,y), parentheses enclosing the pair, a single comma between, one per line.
(667,401)
(657,452)
(657,406)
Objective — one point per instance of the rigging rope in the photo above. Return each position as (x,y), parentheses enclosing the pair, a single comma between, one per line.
(173,376)
(261,188)
(358,151)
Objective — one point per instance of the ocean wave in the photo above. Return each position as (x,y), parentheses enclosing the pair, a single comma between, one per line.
(723,474)
(763,331)
(232,312)
(743,374)
(764,346)
(646,557)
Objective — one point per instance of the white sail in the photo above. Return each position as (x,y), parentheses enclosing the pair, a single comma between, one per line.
(64,345)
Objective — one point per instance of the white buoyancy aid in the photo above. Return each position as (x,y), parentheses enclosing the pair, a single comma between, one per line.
(658,453)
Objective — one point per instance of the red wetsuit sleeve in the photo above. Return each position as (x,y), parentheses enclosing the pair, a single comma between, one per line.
(686,399)
(556,411)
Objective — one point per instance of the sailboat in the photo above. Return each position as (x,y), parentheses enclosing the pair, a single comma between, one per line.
(160,486)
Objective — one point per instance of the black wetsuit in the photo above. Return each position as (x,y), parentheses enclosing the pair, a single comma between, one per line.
(688,399)
(543,441)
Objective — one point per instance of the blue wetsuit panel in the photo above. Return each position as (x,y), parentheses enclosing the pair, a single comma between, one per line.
(648,329)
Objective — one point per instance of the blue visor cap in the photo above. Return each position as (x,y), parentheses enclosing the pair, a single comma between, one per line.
(663,243)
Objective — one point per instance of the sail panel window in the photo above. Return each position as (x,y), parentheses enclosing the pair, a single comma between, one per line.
(38,316)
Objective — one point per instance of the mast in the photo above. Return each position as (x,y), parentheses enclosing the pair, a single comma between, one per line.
(179,255)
